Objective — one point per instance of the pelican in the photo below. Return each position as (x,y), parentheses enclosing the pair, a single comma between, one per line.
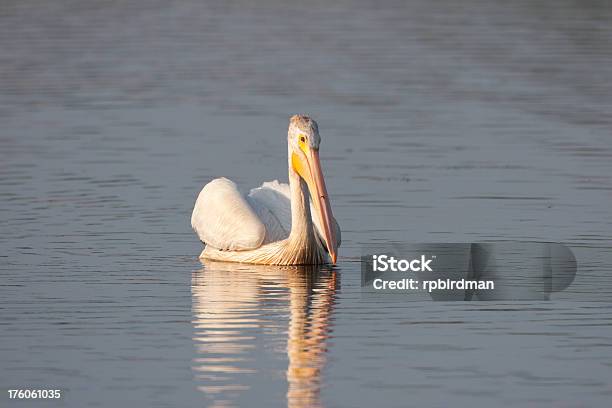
(273,224)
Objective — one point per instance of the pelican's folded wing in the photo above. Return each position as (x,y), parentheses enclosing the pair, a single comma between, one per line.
(223,219)
(272,202)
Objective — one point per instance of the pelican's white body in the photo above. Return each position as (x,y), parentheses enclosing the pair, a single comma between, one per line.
(257,228)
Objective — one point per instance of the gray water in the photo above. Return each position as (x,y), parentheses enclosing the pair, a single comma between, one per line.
(440,121)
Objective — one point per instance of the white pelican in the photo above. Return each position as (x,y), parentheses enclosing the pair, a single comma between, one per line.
(272,224)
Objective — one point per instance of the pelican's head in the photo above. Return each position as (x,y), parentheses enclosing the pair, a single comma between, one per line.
(304,143)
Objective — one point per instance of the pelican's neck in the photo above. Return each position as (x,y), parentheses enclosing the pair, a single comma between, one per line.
(301,220)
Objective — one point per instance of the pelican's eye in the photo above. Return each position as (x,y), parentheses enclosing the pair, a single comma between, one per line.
(302,139)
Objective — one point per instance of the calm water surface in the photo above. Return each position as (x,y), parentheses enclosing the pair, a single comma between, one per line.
(441,122)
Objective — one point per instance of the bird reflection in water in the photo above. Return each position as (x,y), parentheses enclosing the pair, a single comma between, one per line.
(240,314)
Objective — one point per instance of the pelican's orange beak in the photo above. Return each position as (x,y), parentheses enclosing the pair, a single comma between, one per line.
(313,175)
